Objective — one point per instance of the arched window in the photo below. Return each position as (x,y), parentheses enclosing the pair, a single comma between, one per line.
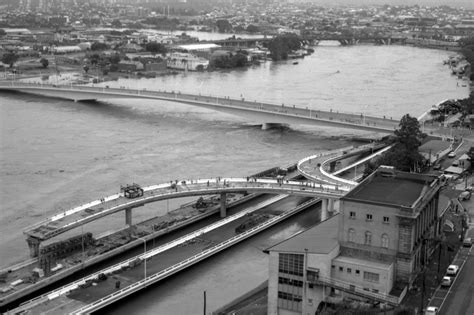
(384,240)
(351,235)
(368,238)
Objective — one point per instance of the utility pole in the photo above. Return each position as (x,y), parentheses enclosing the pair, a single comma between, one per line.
(204,311)
(422,290)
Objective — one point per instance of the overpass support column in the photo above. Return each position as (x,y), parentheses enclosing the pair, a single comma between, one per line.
(223,205)
(128,217)
(324,209)
(331,205)
(33,244)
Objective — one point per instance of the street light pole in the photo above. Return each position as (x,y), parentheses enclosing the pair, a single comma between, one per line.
(144,252)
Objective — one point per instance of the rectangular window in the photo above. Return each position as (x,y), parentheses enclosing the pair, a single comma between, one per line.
(293,282)
(386,220)
(341,269)
(369,217)
(357,271)
(349,270)
(352,215)
(289,301)
(371,277)
(333,266)
(291,264)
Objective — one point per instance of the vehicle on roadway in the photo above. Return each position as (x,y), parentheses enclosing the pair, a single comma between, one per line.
(465,195)
(446,282)
(452,154)
(467,242)
(452,270)
(431,310)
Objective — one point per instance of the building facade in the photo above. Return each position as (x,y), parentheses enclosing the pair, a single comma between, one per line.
(386,230)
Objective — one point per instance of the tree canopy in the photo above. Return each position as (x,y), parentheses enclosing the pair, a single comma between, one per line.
(10,58)
(223,26)
(236,60)
(44,62)
(253,28)
(156,48)
(403,155)
(281,45)
(470,153)
(116,23)
(99,46)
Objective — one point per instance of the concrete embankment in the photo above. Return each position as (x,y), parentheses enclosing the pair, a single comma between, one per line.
(175,259)
(76,263)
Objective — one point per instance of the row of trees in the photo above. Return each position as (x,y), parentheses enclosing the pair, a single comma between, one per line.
(467,49)
(231,60)
(224,26)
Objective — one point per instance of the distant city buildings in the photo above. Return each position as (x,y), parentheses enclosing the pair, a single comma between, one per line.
(386,229)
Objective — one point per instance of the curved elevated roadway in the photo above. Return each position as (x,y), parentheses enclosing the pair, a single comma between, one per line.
(313,167)
(72,218)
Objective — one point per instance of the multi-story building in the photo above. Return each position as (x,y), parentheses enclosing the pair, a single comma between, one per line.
(186,61)
(386,229)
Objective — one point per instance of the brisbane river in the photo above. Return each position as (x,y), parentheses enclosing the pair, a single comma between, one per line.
(56,154)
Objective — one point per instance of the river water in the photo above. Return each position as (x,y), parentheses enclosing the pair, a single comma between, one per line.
(56,154)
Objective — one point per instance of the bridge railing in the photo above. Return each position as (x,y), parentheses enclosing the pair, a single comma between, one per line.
(199,186)
(219,99)
(325,177)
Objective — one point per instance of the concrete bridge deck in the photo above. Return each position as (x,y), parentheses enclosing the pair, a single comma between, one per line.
(252,110)
(72,218)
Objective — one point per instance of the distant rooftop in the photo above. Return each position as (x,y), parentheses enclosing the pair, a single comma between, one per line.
(319,239)
(434,146)
(392,187)
(191,47)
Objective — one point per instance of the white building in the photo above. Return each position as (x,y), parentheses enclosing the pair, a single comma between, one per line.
(186,61)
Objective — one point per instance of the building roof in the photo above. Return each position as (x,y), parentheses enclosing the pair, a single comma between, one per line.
(191,47)
(319,239)
(434,146)
(391,188)
(362,262)
(454,170)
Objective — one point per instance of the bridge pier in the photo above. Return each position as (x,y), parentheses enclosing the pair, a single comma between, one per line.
(33,244)
(266,126)
(223,205)
(128,217)
(331,205)
(324,209)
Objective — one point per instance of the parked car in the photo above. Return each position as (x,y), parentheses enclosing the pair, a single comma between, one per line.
(452,270)
(437,167)
(446,282)
(431,310)
(467,242)
(465,195)
(452,154)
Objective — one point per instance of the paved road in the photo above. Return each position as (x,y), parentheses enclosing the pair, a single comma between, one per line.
(460,299)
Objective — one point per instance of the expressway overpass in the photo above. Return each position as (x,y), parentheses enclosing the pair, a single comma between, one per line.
(73,218)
